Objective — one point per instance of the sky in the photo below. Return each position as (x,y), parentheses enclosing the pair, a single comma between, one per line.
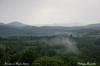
(50,12)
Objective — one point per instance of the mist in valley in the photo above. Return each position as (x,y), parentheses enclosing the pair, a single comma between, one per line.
(64,44)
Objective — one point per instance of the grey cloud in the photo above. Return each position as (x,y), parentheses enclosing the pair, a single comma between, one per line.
(43,12)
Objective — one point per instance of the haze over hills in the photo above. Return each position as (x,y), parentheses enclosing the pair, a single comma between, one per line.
(16,24)
(19,29)
(19,24)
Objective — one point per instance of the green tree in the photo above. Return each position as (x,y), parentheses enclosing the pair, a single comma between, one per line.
(48,61)
(28,56)
(2,56)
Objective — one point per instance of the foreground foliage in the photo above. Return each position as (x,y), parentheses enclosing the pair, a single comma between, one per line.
(31,50)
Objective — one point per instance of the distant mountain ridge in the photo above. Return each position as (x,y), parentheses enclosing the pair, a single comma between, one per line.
(19,24)
(16,24)
(19,29)
(93,26)
(1,23)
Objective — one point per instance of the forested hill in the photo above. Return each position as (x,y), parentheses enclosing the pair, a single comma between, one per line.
(52,45)
(19,29)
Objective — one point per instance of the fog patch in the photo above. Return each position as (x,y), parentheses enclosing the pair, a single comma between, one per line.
(62,44)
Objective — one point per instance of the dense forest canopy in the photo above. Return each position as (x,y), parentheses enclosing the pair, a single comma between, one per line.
(49,46)
(54,50)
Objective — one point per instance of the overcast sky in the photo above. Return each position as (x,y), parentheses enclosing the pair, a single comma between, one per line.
(50,12)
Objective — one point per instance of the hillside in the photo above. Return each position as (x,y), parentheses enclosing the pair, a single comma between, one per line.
(19,29)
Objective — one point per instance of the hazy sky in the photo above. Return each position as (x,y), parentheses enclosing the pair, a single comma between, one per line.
(50,12)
